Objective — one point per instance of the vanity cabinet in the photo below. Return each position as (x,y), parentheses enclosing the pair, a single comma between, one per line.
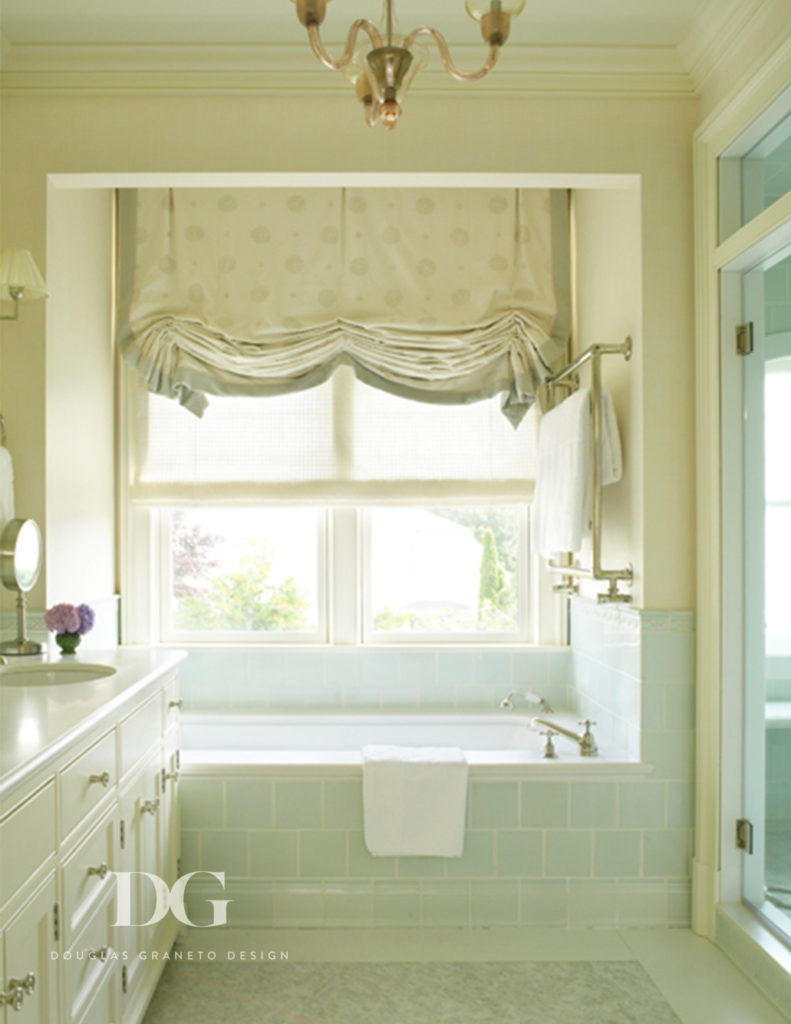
(105,804)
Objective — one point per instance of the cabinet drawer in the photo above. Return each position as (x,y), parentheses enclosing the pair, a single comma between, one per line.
(90,957)
(27,839)
(87,876)
(140,731)
(170,694)
(87,781)
(103,1008)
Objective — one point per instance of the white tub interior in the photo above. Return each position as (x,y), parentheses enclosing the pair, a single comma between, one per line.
(337,739)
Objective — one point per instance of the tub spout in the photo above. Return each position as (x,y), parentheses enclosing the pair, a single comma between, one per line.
(531,698)
(587,743)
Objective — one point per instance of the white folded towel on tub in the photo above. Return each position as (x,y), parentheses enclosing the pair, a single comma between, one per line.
(564,479)
(414,800)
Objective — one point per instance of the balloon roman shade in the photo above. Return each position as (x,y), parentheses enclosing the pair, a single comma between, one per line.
(345,307)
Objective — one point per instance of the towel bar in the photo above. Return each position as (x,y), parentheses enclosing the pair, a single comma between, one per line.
(573,571)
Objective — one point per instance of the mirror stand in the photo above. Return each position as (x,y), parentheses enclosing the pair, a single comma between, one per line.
(21,645)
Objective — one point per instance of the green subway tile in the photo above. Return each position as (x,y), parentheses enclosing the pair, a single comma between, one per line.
(592,904)
(593,804)
(305,667)
(642,904)
(616,854)
(568,854)
(653,706)
(323,854)
(363,865)
(274,854)
(530,671)
(519,853)
(190,851)
(671,754)
(641,804)
(493,668)
(477,859)
(543,904)
(381,668)
(246,695)
(421,867)
(679,706)
(418,667)
(445,903)
(667,853)
(454,668)
(680,804)
(396,906)
(343,804)
(494,804)
(297,905)
(297,804)
(349,905)
(545,804)
(494,903)
(201,803)
(679,903)
(224,850)
(248,803)
(669,657)
(251,907)
(342,668)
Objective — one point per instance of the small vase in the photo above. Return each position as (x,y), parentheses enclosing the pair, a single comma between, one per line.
(68,642)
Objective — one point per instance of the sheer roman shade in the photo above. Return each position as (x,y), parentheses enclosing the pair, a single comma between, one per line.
(440,295)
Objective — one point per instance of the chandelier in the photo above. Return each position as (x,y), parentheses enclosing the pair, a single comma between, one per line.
(383,74)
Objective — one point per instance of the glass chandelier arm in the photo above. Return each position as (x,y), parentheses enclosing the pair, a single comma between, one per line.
(447,60)
(337,64)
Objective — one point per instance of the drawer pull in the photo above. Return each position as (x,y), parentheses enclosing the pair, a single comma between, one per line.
(18,988)
(173,776)
(100,954)
(101,871)
(103,779)
(176,703)
(150,806)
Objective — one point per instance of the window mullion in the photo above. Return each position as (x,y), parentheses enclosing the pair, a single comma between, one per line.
(344,577)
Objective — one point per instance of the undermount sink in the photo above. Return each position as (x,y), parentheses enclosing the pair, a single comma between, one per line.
(52,675)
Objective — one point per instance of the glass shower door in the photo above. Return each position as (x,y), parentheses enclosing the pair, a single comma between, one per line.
(767,590)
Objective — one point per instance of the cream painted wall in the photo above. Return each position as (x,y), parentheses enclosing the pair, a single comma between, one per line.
(608,289)
(79,373)
(472,131)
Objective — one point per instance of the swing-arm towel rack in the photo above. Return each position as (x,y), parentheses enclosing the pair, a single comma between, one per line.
(595,572)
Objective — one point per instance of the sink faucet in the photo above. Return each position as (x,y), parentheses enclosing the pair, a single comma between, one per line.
(3,661)
(507,704)
(585,739)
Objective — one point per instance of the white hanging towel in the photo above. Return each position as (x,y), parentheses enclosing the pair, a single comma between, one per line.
(562,506)
(414,800)
(6,487)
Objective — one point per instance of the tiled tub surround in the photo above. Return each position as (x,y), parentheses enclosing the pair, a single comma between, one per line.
(563,850)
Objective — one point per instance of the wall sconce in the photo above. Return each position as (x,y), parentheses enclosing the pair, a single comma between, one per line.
(20,279)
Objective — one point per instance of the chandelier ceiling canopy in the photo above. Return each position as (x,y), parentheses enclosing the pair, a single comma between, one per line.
(383,73)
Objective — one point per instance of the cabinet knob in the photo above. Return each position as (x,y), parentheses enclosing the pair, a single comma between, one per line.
(149,806)
(99,954)
(173,776)
(103,779)
(101,871)
(176,703)
(18,988)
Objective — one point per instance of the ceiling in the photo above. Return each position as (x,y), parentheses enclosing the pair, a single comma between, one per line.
(663,23)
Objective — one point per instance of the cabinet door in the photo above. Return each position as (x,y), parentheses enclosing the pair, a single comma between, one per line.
(141,815)
(29,939)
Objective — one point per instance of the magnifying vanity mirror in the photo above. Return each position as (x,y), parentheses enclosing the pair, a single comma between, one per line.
(21,554)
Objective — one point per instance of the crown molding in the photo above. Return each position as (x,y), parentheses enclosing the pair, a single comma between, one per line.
(718,29)
(282,68)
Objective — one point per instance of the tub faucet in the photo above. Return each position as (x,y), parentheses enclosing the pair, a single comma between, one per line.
(531,698)
(3,661)
(585,738)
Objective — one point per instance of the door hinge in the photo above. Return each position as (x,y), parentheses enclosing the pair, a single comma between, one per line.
(744,338)
(122,834)
(56,921)
(178,867)
(178,760)
(744,835)
(124,979)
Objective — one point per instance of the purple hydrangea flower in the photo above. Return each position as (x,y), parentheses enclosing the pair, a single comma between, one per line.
(62,618)
(87,618)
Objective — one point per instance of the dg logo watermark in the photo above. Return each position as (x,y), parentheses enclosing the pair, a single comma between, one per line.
(167,898)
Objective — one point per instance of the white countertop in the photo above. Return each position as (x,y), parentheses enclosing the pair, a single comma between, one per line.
(37,722)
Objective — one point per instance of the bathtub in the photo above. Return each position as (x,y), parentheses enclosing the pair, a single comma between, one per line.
(309,742)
